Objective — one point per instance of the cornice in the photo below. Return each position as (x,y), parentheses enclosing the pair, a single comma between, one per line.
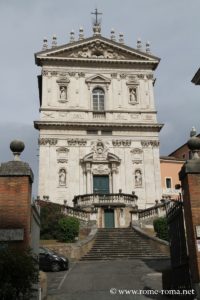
(89,110)
(143,127)
(97,60)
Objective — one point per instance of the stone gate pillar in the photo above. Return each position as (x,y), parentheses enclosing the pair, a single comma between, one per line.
(16,180)
(190,180)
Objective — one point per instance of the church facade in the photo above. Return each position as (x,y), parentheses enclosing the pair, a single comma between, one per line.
(98,144)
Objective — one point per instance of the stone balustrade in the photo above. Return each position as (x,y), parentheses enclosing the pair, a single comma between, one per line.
(65,209)
(156,210)
(73,212)
(89,200)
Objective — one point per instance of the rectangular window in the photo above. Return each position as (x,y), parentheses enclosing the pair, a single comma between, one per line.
(95,102)
(168,183)
(106,132)
(101,102)
(92,132)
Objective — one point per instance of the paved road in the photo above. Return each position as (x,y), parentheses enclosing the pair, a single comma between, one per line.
(106,280)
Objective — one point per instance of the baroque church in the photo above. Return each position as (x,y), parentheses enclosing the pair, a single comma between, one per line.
(98,143)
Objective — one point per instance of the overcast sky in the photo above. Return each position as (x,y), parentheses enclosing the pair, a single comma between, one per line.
(172,27)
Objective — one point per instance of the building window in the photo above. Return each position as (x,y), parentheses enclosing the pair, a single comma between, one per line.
(168,182)
(92,132)
(98,97)
(106,132)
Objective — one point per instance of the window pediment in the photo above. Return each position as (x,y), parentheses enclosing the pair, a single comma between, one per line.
(98,80)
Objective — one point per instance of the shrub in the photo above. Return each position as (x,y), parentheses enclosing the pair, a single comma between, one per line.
(161,228)
(49,217)
(68,228)
(18,273)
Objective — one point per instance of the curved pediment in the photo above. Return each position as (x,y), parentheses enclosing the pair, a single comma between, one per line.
(91,157)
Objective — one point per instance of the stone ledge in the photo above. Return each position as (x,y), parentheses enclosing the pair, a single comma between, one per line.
(139,230)
(190,167)
(74,251)
(16,168)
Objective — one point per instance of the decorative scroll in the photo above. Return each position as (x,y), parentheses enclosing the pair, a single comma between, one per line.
(136,151)
(46,141)
(148,143)
(125,143)
(77,142)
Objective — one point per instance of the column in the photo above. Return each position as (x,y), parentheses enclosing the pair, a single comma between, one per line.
(114,172)
(88,178)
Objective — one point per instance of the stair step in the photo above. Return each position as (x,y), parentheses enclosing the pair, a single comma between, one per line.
(122,243)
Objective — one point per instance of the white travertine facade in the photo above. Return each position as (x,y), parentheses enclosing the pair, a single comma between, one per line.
(98,125)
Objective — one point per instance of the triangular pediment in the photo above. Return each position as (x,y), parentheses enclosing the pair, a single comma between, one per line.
(98,49)
(97,79)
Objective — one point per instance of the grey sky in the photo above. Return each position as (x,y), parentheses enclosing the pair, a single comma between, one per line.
(172,27)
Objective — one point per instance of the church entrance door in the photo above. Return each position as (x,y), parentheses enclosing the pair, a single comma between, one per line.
(109,220)
(101,184)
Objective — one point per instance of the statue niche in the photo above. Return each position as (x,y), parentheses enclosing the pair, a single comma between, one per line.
(133,95)
(63,93)
(138,178)
(62,82)
(62,177)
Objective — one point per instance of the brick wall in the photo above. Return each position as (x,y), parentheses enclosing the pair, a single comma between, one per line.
(191,186)
(15,205)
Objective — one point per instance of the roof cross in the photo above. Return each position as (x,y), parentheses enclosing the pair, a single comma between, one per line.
(96,13)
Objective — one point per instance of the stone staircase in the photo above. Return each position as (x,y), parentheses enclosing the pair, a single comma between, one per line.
(124,243)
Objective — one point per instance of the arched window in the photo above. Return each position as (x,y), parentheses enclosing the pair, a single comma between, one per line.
(98,96)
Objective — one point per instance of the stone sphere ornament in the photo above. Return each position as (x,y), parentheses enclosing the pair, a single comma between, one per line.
(194,143)
(17,147)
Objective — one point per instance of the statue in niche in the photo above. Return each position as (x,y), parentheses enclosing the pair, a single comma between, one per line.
(63,93)
(62,177)
(138,178)
(133,96)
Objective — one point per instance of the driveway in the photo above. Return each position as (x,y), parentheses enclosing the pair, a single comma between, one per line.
(105,280)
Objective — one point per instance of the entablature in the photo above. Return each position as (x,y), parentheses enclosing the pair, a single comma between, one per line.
(115,116)
(84,125)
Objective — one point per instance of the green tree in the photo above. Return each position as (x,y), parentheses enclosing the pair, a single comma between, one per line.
(68,229)
(18,274)
(49,217)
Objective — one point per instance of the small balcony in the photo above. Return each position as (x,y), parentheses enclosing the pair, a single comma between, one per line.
(99,115)
(102,200)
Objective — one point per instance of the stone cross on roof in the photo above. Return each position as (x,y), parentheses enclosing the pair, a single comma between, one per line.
(97,23)
(96,13)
